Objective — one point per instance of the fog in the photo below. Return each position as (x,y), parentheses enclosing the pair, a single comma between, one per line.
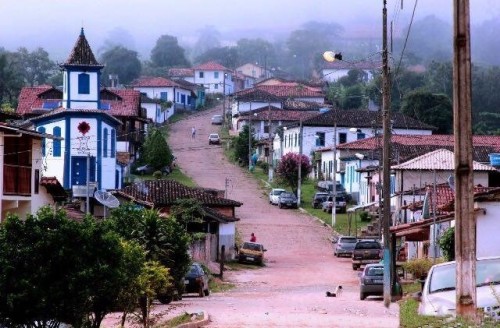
(55,24)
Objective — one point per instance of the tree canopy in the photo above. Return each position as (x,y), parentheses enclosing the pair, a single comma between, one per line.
(288,169)
(433,109)
(168,53)
(120,61)
(156,151)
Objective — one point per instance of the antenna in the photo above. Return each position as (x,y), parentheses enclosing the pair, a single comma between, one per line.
(106,199)
(451,182)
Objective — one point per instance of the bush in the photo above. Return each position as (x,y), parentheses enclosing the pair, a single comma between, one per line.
(447,244)
(157,175)
(364,216)
(264,166)
(419,267)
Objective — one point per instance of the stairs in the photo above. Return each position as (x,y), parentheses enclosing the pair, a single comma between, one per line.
(372,230)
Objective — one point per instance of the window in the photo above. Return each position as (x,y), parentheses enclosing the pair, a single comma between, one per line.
(361,135)
(42,130)
(342,137)
(201,75)
(37,181)
(320,139)
(105,143)
(83,83)
(216,75)
(57,142)
(296,137)
(113,143)
(163,95)
(216,86)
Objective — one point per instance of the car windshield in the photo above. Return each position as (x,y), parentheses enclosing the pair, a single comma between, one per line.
(214,136)
(375,271)
(368,245)
(444,277)
(344,240)
(253,247)
(277,192)
(287,195)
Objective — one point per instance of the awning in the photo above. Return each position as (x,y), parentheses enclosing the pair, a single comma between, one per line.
(355,208)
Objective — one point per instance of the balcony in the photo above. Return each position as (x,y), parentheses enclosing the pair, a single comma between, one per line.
(16,180)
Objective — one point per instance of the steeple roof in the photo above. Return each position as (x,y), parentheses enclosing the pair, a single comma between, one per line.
(82,54)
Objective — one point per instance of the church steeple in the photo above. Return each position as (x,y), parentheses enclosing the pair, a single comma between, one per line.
(82,54)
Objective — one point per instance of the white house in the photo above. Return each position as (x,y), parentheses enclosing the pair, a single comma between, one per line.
(333,71)
(214,77)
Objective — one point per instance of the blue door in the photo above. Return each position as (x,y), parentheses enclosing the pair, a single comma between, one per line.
(79,170)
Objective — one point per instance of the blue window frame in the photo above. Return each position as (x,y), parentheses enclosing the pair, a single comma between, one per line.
(320,139)
(57,142)
(42,130)
(105,143)
(83,83)
(164,95)
(113,143)
(216,75)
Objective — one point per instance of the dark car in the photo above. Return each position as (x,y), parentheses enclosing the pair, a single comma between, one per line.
(340,204)
(371,281)
(344,246)
(366,252)
(149,169)
(318,199)
(287,199)
(196,281)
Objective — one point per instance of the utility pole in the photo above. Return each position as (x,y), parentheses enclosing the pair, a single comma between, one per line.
(465,220)
(386,168)
(334,178)
(299,182)
(250,138)
(270,159)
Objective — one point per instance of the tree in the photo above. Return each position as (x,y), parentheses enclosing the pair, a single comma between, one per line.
(226,56)
(256,51)
(208,38)
(288,169)
(35,67)
(241,150)
(168,53)
(186,211)
(433,109)
(60,273)
(121,61)
(156,150)
(447,244)
(11,82)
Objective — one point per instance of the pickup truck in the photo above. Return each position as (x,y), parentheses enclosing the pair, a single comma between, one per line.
(366,251)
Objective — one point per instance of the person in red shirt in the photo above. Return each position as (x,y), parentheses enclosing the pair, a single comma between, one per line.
(253,239)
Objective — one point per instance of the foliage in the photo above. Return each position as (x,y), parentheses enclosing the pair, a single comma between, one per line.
(257,51)
(208,38)
(433,109)
(288,169)
(364,216)
(34,67)
(156,151)
(418,267)
(121,61)
(226,56)
(60,273)
(187,211)
(447,244)
(10,79)
(168,53)
(241,150)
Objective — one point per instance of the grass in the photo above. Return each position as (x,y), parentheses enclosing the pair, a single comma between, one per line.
(179,320)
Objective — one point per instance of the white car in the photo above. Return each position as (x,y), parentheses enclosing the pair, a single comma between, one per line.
(213,139)
(438,297)
(274,195)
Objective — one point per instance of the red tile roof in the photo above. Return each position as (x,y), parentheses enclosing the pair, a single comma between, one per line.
(211,66)
(54,188)
(181,72)
(278,114)
(82,54)
(152,81)
(128,102)
(284,91)
(32,98)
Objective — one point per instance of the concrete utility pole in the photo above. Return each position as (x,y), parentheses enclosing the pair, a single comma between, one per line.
(269,133)
(299,182)
(465,220)
(334,178)
(386,167)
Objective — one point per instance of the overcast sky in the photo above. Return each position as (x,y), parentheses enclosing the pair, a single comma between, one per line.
(55,24)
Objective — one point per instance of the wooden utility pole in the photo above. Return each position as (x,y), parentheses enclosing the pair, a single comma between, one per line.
(465,220)
(386,158)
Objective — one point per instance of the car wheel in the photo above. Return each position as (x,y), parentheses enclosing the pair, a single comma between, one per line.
(354,267)
(165,299)
(362,296)
(280,206)
(201,292)
(206,292)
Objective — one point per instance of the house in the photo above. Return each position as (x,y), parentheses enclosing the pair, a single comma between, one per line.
(333,71)
(336,126)
(22,166)
(186,74)
(214,77)
(255,71)
(242,81)
(219,221)
(162,97)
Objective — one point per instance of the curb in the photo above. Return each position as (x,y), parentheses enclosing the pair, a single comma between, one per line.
(198,323)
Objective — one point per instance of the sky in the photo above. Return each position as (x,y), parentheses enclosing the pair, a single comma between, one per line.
(55,24)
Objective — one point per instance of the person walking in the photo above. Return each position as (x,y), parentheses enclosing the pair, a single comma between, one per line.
(253,239)
(193,132)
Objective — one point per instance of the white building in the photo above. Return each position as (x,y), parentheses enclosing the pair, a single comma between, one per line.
(214,77)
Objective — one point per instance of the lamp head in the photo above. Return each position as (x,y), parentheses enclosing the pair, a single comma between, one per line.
(331,56)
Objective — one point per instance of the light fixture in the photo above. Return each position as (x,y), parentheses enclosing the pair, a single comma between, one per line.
(359,156)
(354,130)
(331,56)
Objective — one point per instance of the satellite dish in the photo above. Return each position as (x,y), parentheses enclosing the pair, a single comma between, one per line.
(451,182)
(106,199)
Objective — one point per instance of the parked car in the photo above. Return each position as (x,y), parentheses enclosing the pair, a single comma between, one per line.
(217,119)
(196,280)
(149,169)
(318,199)
(251,253)
(213,139)
(288,200)
(371,281)
(274,194)
(340,204)
(366,252)
(344,246)
(438,296)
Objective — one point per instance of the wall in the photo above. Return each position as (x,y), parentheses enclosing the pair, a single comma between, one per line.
(488,229)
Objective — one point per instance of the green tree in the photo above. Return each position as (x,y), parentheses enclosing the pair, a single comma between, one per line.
(168,53)
(208,38)
(447,244)
(439,76)
(34,67)
(433,109)
(256,51)
(241,150)
(121,61)
(288,169)
(186,211)
(11,81)
(156,151)
(226,56)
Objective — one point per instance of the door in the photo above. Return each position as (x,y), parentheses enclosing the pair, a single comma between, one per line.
(79,170)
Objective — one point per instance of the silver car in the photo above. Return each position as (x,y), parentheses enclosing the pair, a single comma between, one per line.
(217,119)
(344,245)
(274,195)
(438,297)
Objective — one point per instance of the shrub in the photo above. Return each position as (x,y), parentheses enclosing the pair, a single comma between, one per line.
(157,175)
(264,166)
(447,244)
(364,216)
(419,267)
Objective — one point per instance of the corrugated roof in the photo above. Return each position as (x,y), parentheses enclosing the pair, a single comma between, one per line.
(439,159)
